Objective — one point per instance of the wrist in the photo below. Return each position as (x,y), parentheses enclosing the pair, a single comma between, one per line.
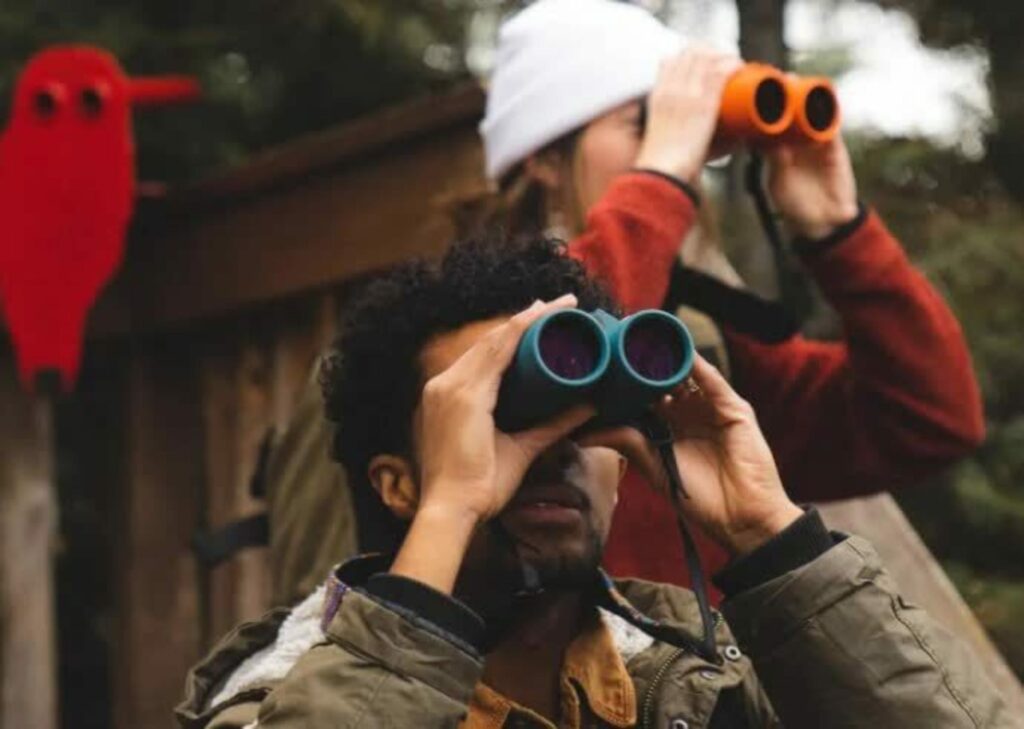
(455,515)
(435,545)
(754,535)
(685,171)
(687,189)
(824,224)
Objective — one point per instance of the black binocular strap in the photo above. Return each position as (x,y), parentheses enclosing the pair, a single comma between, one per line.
(740,310)
(755,187)
(660,436)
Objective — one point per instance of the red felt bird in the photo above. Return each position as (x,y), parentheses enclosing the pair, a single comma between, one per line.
(67,189)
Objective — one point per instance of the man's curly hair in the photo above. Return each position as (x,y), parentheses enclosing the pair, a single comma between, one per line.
(371,377)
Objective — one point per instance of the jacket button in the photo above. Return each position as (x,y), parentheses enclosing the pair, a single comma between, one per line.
(732,653)
(679,724)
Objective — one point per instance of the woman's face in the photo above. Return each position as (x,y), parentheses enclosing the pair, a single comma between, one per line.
(607,147)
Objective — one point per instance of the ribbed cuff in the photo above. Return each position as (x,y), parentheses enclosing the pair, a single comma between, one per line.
(446,613)
(809,247)
(686,187)
(801,542)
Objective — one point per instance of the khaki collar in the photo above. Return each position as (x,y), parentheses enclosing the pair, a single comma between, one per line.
(592,670)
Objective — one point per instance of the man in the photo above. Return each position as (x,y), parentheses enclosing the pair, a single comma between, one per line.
(493,611)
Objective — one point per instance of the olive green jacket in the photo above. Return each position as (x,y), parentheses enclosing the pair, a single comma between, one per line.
(831,644)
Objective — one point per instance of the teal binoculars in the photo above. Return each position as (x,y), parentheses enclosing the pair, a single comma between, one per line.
(570,356)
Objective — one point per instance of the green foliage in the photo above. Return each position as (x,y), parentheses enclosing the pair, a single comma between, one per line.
(271,69)
(999,604)
(830,62)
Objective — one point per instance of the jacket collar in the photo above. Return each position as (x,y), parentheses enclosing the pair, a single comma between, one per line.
(664,612)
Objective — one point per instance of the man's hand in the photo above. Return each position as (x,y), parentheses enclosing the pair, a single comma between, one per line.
(812,186)
(469,470)
(733,486)
(682,112)
(466,463)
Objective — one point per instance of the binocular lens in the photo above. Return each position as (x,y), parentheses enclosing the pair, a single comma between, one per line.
(820,108)
(653,349)
(770,100)
(568,349)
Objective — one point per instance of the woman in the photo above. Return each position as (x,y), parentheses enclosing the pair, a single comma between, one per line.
(597,127)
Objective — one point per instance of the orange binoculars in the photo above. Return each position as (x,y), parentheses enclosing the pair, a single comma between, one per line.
(762,105)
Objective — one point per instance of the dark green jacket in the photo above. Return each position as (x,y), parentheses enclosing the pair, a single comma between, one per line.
(830,644)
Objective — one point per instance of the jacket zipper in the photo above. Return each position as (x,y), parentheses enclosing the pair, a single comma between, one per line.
(659,676)
(648,705)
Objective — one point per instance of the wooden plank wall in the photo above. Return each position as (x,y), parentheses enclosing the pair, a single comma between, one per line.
(198,406)
(157,613)
(226,304)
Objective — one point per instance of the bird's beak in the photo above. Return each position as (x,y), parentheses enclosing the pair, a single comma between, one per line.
(159,90)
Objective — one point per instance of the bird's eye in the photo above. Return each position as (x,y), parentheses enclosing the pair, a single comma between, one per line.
(93,99)
(46,101)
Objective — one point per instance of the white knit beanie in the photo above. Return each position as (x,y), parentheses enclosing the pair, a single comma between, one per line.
(563,63)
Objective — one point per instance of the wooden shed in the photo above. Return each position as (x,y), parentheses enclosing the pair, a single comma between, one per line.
(201,345)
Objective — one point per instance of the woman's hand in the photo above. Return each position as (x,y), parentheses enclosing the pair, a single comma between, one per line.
(732,484)
(812,186)
(682,112)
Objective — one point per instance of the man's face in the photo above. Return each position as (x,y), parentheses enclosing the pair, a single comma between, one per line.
(558,520)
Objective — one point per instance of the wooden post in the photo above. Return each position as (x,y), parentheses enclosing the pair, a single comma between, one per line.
(919,576)
(28,516)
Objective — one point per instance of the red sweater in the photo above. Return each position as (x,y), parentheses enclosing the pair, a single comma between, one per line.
(895,400)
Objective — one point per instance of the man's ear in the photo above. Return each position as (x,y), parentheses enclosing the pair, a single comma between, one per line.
(623,466)
(546,168)
(393,478)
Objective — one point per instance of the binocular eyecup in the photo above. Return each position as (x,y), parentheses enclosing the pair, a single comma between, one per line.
(570,356)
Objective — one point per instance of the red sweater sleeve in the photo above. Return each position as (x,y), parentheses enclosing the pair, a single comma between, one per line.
(896,400)
(632,237)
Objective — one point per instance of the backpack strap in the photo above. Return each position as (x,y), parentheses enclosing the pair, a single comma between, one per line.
(740,310)
(218,545)
(214,546)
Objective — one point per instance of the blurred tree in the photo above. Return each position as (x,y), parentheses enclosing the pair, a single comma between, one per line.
(272,69)
(995,25)
(761,31)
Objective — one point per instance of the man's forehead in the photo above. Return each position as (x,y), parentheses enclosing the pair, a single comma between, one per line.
(442,350)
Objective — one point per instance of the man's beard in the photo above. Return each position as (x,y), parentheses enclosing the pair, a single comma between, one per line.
(502,586)
(564,571)
(514,567)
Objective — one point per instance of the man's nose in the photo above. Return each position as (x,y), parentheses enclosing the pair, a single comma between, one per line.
(558,457)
